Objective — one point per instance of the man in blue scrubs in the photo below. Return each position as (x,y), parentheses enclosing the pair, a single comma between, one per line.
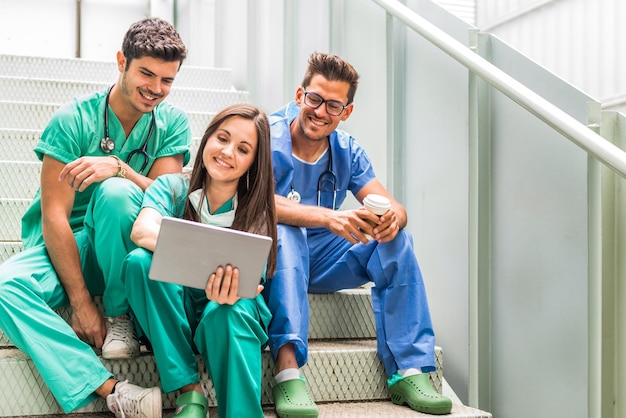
(322,249)
(77,230)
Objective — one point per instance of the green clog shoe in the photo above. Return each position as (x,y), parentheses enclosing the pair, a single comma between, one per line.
(417,392)
(191,405)
(292,400)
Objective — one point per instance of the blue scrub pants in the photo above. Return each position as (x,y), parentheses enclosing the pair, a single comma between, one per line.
(30,292)
(321,262)
(179,321)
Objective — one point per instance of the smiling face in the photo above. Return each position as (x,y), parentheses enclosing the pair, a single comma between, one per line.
(146,82)
(316,124)
(230,150)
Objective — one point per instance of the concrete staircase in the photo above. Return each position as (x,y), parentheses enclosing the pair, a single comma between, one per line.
(344,374)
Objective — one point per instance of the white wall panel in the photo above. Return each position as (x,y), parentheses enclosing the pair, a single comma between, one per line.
(465,9)
(49,34)
(49,27)
(497,11)
(539,254)
(578,40)
(104,23)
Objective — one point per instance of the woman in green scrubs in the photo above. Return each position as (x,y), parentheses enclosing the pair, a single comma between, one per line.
(231,185)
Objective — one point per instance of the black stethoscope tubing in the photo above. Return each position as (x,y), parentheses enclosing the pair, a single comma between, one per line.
(107,144)
(295,196)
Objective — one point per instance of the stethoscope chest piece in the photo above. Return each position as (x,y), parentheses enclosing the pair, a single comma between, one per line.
(107,145)
(294,196)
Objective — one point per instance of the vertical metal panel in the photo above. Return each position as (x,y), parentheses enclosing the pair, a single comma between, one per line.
(596,285)
(436,182)
(613,240)
(620,272)
(198,28)
(539,257)
(479,221)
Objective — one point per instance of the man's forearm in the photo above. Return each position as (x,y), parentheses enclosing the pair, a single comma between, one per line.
(64,255)
(297,214)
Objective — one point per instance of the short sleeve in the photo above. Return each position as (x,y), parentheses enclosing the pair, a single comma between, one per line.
(362,169)
(167,195)
(70,133)
(177,132)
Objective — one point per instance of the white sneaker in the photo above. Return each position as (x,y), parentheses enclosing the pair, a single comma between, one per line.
(120,342)
(130,401)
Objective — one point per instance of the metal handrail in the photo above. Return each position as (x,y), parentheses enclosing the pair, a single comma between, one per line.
(553,116)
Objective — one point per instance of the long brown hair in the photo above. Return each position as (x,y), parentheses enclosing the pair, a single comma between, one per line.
(256,211)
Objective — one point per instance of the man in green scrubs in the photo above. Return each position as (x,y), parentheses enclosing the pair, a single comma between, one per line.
(76,232)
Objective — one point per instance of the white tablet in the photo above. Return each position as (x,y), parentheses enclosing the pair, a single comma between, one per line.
(188,252)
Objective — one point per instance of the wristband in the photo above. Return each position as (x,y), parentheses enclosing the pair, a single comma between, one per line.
(121,171)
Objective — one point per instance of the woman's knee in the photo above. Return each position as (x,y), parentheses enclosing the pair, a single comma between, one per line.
(136,266)
(116,196)
(225,318)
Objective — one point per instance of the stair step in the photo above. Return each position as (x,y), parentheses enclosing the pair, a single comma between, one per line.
(25,115)
(29,116)
(345,314)
(104,71)
(7,250)
(18,144)
(337,371)
(11,211)
(55,91)
(20,179)
(22,170)
(371,409)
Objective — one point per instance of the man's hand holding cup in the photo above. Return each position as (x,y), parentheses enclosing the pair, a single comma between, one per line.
(377,205)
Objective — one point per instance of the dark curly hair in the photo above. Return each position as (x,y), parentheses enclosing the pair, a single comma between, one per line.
(153,37)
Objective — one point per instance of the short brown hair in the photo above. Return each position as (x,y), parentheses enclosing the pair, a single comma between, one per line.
(153,37)
(333,68)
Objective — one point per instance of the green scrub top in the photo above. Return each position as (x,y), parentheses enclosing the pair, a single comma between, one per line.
(167,196)
(75,130)
(168,193)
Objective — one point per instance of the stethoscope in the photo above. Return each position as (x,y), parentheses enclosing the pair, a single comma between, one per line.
(329,174)
(107,144)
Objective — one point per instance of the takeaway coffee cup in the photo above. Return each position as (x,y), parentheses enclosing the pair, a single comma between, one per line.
(376,204)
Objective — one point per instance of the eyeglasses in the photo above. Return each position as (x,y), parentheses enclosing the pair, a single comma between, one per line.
(314,100)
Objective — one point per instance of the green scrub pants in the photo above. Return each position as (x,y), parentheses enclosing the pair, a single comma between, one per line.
(178,320)
(30,292)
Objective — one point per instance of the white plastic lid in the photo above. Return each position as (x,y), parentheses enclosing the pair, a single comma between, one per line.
(377,201)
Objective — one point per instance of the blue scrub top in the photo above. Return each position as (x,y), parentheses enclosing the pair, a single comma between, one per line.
(350,164)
